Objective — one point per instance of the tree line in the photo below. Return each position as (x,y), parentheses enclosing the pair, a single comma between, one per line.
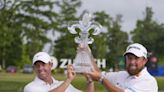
(25,25)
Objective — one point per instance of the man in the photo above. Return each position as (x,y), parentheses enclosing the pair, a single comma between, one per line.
(44,82)
(136,77)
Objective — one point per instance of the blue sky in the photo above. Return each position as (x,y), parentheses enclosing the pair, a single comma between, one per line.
(130,9)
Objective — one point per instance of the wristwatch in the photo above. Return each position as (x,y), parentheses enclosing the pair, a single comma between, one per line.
(101,78)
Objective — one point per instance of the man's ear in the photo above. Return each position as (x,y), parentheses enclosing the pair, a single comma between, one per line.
(145,61)
(51,64)
(33,66)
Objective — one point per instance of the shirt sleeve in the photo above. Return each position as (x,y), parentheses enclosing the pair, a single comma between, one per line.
(111,76)
(26,90)
(72,89)
(33,89)
(69,89)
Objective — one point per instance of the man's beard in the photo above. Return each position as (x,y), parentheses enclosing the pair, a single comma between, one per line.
(133,71)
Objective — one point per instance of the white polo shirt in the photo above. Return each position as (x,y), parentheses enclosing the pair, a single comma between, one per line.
(38,85)
(142,83)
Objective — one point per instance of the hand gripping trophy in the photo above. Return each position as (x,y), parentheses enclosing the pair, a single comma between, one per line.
(83,62)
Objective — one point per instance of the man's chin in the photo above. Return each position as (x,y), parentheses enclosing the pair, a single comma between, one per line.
(42,76)
(133,72)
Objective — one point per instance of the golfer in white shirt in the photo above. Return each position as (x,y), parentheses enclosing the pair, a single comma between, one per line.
(44,82)
(136,77)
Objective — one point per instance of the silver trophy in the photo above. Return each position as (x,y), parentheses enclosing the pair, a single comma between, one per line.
(83,62)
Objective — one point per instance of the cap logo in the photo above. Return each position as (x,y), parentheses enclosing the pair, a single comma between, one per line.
(38,55)
(134,47)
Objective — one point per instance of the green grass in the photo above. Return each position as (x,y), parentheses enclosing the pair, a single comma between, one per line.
(160,81)
(161,61)
(16,82)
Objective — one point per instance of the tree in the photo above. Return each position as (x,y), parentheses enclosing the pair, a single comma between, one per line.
(24,25)
(149,33)
(65,47)
(37,18)
(10,35)
(99,46)
(117,41)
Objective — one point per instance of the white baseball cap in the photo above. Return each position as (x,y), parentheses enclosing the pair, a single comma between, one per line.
(136,49)
(41,56)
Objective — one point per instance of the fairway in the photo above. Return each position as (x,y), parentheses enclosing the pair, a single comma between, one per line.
(16,82)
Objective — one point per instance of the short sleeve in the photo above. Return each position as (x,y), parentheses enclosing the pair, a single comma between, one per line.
(114,76)
(33,89)
(72,89)
(69,89)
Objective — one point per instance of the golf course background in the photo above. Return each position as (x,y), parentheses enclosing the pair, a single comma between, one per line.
(14,82)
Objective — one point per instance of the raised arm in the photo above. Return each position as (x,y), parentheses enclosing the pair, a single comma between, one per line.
(70,76)
(96,76)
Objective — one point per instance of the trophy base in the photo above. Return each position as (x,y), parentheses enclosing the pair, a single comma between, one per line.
(83,62)
(83,69)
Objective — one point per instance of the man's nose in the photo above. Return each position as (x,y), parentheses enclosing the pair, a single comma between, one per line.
(40,67)
(133,61)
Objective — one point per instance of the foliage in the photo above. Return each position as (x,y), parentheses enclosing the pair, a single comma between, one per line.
(117,40)
(10,36)
(65,46)
(149,33)
(99,46)
(36,21)
(24,26)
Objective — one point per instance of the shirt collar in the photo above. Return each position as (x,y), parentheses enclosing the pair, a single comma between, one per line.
(38,80)
(143,71)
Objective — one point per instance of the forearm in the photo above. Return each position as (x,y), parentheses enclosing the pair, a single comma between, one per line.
(89,86)
(110,87)
(62,87)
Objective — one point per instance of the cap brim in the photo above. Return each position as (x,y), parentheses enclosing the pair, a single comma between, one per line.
(135,52)
(41,60)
